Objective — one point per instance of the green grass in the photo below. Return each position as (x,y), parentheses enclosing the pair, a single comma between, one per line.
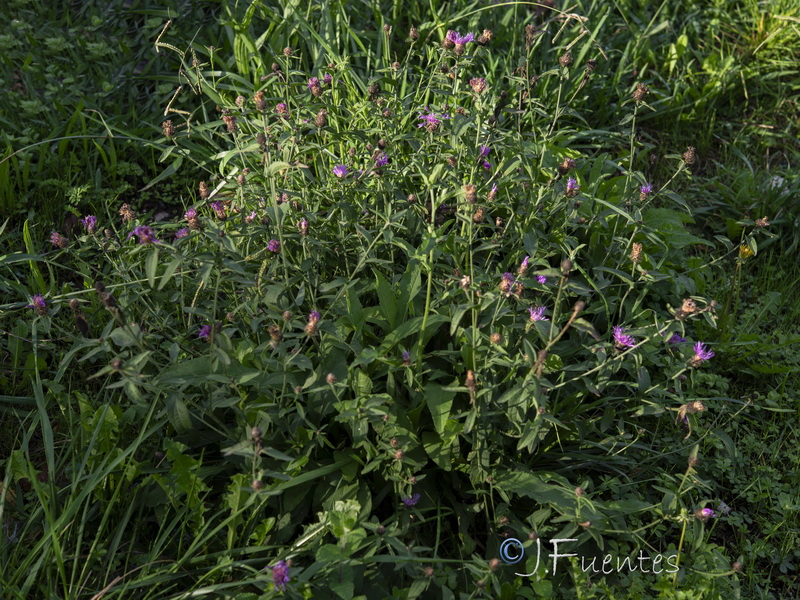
(131,468)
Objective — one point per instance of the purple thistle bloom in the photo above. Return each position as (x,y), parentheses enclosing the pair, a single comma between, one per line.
(38,303)
(282,108)
(313,81)
(431,118)
(701,353)
(646,189)
(382,160)
(327,79)
(458,39)
(219,208)
(707,513)
(572,186)
(205,332)
(412,500)
(537,314)
(145,234)
(89,223)
(340,171)
(190,214)
(280,575)
(487,165)
(541,279)
(485,150)
(274,246)
(406,358)
(182,232)
(314,316)
(622,339)
(676,339)
(58,240)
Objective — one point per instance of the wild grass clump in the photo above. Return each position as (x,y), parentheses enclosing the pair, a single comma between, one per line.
(402,317)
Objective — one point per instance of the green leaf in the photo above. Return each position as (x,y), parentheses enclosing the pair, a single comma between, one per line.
(178,414)
(168,172)
(439,401)
(388,302)
(151,266)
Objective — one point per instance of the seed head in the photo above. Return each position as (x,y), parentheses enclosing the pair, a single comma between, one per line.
(168,129)
(287,51)
(477,217)
(126,213)
(495,338)
(565,59)
(484,38)
(690,155)
(469,191)
(230,123)
(478,84)
(204,191)
(640,92)
(636,252)
(413,33)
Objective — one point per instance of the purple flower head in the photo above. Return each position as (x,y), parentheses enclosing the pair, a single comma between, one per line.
(251,217)
(327,79)
(182,232)
(406,358)
(487,165)
(541,279)
(382,160)
(38,304)
(58,240)
(190,214)
(314,316)
(537,314)
(572,186)
(280,575)
(707,513)
(646,189)
(89,223)
(282,108)
(676,339)
(412,500)
(622,339)
(431,119)
(340,171)
(205,332)
(219,208)
(458,39)
(145,234)
(274,246)
(313,81)
(701,353)
(485,150)
(508,277)
(494,189)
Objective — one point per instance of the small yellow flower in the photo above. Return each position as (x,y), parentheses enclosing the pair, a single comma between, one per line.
(745,251)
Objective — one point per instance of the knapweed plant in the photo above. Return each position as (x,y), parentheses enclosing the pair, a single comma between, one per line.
(410,310)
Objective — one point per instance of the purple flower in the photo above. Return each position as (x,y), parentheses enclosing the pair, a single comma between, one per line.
(314,316)
(145,234)
(251,217)
(706,513)
(382,160)
(89,223)
(487,165)
(621,339)
(219,208)
(205,332)
(458,39)
(280,575)
(182,232)
(646,189)
(572,186)
(313,81)
(537,314)
(327,79)
(340,171)
(190,214)
(412,500)
(58,240)
(431,120)
(541,279)
(282,108)
(274,246)
(485,150)
(676,339)
(38,304)
(406,358)
(700,352)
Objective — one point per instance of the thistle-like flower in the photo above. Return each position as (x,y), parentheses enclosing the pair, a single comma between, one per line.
(704,514)
(38,304)
(340,171)
(382,160)
(274,246)
(280,575)
(622,340)
(541,279)
(493,192)
(537,314)
(219,209)
(572,187)
(636,252)
(523,267)
(145,234)
(506,283)
(182,232)
(432,120)
(205,332)
(303,227)
(478,84)
(192,219)
(645,191)
(701,354)
(412,500)
(58,240)
(89,223)
(676,339)
(282,109)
